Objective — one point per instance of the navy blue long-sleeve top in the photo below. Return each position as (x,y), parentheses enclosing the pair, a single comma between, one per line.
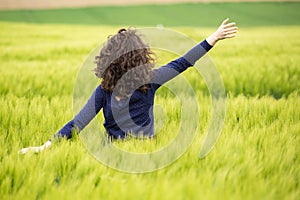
(134,114)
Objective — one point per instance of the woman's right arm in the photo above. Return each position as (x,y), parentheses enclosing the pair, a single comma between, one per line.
(172,69)
(78,123)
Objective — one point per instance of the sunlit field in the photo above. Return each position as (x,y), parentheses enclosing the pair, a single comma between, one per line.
(256,157)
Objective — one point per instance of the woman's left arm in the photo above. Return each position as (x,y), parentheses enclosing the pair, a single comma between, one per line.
(79,122)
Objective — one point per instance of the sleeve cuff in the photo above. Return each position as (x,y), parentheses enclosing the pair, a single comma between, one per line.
(206,45)
(197,52)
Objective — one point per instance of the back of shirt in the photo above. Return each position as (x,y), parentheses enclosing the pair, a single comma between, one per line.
(129,115)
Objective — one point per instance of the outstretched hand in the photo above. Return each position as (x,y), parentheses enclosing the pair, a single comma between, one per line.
(35,149)
(225,30)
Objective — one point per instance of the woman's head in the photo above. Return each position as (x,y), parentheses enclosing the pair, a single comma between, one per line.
(124,54)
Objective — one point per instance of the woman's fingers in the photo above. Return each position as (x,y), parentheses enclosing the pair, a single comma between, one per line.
(26,150)
(230,32)
(23,151)
(231,29)
(225,30)
(230,36)
(36,149)
(31,149)
(225,25)
(229,25)
(225,21)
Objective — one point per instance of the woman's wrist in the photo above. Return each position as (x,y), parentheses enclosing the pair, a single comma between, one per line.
(212,39)
(48,144)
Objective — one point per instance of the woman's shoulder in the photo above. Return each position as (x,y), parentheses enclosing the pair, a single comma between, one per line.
(100,92)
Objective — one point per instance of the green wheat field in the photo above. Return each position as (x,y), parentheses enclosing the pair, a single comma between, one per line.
(256,156)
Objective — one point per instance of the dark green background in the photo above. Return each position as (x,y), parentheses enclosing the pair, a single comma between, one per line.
(201,14)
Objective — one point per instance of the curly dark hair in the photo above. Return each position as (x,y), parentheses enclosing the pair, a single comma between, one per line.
(124,63)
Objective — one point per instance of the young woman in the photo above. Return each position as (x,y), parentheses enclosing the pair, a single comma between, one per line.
(126,93)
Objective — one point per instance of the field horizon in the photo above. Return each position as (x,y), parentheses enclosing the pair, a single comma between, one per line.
(204,15)
(38,4)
